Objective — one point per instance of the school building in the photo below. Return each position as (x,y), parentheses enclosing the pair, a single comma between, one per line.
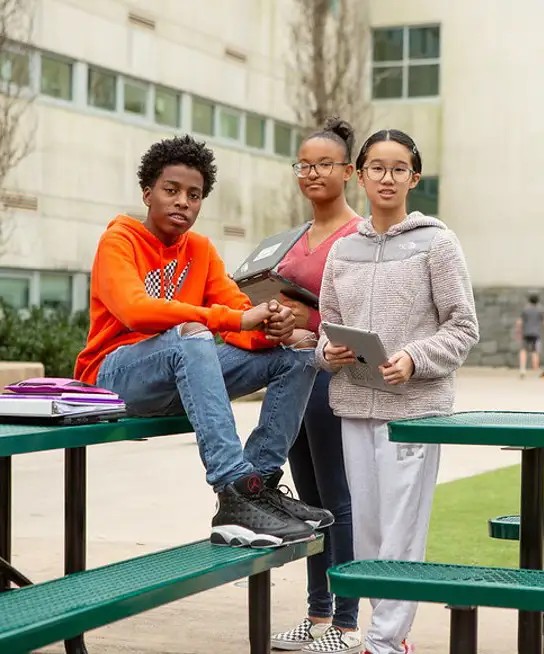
(112,77)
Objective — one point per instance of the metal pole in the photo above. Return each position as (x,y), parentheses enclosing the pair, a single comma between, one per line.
(531,545)
(75,519)
(5,517)
(463,630)
(259,613)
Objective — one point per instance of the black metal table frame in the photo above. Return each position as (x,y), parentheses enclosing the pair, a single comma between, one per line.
(531,537)
(463,634)
(75,551)
(75,530)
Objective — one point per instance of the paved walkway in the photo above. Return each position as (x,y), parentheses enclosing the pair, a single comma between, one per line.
(151,495)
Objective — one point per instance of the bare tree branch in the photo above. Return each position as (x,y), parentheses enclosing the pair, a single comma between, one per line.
(328,66)
(16,97)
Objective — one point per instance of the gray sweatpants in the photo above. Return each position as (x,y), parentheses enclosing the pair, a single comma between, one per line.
(392,487)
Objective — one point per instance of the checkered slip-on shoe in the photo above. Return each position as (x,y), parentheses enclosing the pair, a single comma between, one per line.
(335,641)
(303,634)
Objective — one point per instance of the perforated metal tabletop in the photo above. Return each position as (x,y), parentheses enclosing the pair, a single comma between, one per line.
(505,428)
(22,439)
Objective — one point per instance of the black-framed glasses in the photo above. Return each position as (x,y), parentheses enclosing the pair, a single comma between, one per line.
(377,172)
(323,168)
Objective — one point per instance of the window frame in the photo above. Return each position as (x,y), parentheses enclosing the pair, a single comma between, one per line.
(406,63)
(158,88)
(291,128)
(143,86)
(52,274)
(215,110)
(103,71)
(413,204)
(23,275)
(61,60)
(229,111)
(262,119)
(20,51)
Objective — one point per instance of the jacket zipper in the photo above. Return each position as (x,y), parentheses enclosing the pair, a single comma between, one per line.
(378,257)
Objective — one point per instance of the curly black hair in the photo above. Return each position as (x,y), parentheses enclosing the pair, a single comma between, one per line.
(172,152)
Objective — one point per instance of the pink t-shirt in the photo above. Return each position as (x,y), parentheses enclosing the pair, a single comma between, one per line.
(305,267)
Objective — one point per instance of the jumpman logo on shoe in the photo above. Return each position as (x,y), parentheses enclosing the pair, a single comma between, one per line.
(254,484)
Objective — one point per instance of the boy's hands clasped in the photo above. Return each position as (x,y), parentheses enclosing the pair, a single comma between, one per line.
(277,321)
(397,370)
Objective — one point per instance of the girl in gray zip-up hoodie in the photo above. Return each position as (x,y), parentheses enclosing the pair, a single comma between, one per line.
(404,277)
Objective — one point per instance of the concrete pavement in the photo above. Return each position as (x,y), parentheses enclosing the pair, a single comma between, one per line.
(151,495)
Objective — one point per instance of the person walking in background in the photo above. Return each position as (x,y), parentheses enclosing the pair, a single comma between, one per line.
(316,459)
(405,278)
(528,331)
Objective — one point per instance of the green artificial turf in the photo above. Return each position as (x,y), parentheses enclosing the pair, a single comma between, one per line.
(461,509)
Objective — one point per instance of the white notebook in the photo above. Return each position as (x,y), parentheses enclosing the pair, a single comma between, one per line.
(41,407)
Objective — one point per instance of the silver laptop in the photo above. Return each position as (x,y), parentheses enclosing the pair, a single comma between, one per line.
(257,276)
(370,354)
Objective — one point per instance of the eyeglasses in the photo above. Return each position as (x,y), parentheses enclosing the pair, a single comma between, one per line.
(377,172)
(323,169)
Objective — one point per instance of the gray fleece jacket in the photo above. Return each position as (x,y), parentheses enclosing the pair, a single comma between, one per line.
(411,286)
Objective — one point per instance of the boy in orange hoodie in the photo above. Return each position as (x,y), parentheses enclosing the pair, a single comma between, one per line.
(158,295)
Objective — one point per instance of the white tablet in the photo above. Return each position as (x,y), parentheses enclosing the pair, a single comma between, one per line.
(370,353)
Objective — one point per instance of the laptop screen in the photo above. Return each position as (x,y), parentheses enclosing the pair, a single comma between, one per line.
(269,252)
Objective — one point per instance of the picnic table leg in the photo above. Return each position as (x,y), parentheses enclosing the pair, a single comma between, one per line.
(5,516)
(259,613)
(463,630)
(531,545)
(75,523)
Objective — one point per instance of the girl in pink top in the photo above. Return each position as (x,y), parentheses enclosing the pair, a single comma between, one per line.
(316,459)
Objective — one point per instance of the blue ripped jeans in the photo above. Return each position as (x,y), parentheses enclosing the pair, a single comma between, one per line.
(173,373)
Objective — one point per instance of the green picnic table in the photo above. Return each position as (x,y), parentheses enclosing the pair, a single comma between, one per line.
(23,439)
(507,429)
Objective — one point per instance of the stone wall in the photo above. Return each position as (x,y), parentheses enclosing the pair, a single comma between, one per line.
(498,309)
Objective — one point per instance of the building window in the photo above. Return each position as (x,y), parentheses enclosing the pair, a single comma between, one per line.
(135,97)
(406,62)
(424,197)
(15,68)
(255,131)
(203,117)
(282,139)
(299,139)
(102,89)
(56,291)
(229,124)
(166,107)
(56,78)
(15,291)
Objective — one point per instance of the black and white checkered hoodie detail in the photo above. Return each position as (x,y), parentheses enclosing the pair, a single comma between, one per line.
(171,286)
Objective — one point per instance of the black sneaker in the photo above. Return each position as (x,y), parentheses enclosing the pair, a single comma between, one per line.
(245,517)
(282,497)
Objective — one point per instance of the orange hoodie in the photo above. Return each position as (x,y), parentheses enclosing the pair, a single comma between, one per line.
(140,288)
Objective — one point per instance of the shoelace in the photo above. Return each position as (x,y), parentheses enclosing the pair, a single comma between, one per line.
(265,499)
(276,495)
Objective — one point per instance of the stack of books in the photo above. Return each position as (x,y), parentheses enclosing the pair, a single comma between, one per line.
(52,400)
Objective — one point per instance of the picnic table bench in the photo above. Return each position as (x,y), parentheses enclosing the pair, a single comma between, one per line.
(462,587)
(35,615)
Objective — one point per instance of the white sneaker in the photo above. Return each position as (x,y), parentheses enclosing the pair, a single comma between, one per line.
(336,641)
(303,634)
